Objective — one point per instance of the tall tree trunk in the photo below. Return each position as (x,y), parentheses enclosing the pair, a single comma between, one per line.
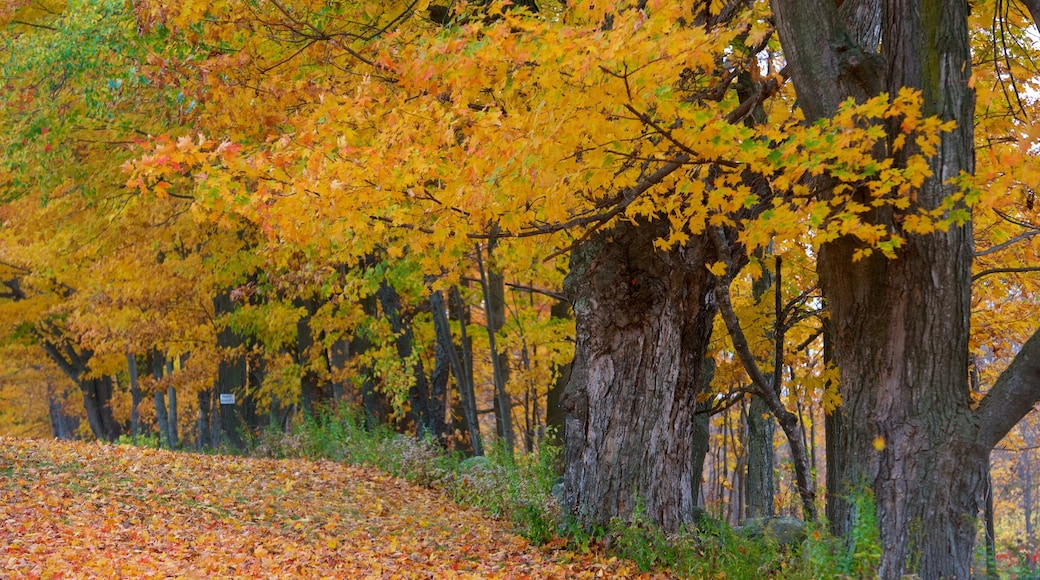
(760,484)
(162,418)
(900,327)
(643,324)
(203,430)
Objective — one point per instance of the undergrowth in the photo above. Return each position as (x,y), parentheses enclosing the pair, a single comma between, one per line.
(520,490)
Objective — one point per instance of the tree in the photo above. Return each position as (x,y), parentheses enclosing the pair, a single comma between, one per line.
(901,327)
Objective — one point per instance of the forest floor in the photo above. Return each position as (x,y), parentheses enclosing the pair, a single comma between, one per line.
(77,510)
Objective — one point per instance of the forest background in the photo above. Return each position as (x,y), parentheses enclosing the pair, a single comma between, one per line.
(394,206)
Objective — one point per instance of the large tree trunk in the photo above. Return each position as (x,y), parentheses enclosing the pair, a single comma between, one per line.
(643,324)
(900,327)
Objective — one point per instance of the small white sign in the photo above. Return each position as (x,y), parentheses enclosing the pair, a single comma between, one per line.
(227,398)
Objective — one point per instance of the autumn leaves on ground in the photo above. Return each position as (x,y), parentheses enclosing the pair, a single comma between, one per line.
(75,510)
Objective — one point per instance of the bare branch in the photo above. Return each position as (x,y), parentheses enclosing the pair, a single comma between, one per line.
(992,271)
(1012,396)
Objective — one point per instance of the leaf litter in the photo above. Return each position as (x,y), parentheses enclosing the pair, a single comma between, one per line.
(87,510)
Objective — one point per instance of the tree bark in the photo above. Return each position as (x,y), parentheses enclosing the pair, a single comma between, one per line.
(900,327)
(643,323)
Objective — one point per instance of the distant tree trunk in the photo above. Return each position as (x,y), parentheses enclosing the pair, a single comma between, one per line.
(63,425)
(311,395)
(339,356)
(135,397)
(554,423)
(1025,470)
(424,409)
(203,429)
(158,363)
(97,392)
(171,426)
(699,446)
(162,418)
(464,382)
(232,378)
(991,536)
(377,407)
(761,427)
(644,320)
(493,284)
(446,348)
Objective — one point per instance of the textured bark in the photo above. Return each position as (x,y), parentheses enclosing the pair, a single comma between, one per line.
(760,488)
(900,327)
(643,324)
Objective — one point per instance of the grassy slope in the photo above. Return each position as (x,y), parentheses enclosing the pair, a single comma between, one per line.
(74,510)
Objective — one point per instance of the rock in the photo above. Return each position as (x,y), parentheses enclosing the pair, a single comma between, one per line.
(784,530)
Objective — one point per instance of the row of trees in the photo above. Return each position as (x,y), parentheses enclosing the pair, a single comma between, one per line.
(296,202)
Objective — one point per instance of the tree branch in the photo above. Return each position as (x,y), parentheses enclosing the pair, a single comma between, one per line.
(1012,396)
(1012,241)
(991,271)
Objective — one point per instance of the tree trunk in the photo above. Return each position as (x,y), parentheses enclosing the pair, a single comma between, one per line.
(493,284)
(419,392)
(171,426)
(63,425)
(97,392)
(643,323)
(135,397)
(760,428)
(203,431)
(901,326)
(1025,467)
(464,352)
(760,485)
(310,391)
(232,378)
(554,414)
(162,418)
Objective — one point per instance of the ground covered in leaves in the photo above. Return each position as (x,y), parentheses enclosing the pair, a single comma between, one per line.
(75,510)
